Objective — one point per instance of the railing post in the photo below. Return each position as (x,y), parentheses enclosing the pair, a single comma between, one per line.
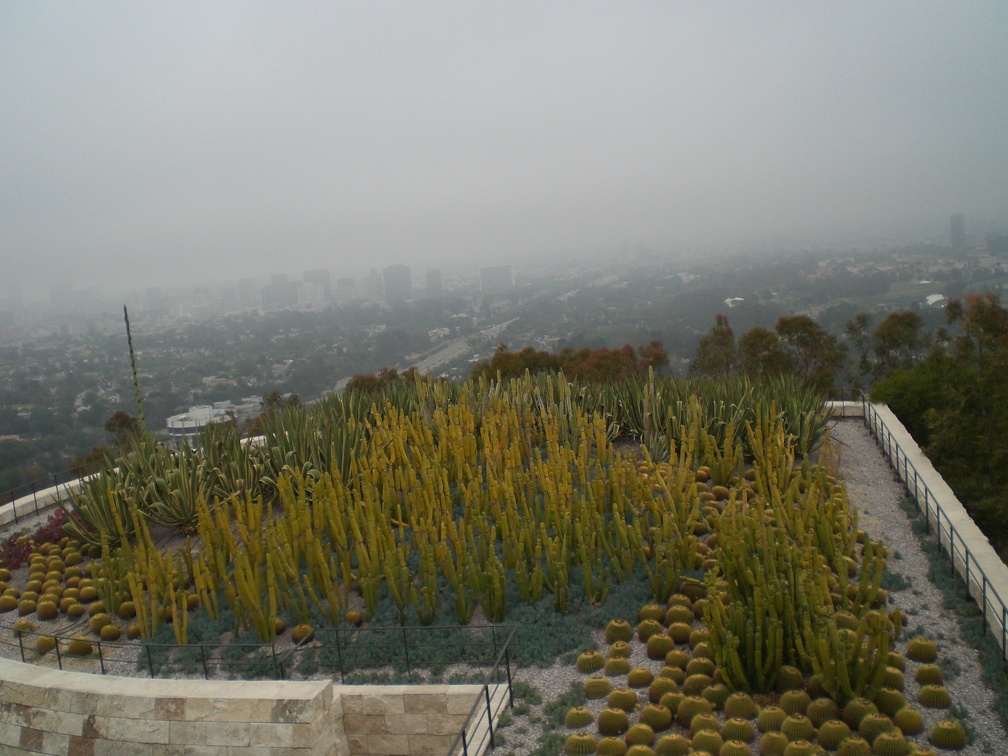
(59,657)
(276,669)
(150,664)
(202,652)
(465,748)
(101,658)
(34,497)
(405,645)
(21,645)
(14,506)
(339,656)
(983,593)
(486,693)
(507,666)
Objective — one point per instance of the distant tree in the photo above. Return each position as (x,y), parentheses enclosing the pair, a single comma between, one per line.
(760,354)
(815,354)
(122,426)
(857,333)
(898,342)
(715,354)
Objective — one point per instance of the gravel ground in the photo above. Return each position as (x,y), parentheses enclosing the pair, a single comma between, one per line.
(875,493)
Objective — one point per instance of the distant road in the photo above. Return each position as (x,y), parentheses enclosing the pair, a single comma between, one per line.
(447,353)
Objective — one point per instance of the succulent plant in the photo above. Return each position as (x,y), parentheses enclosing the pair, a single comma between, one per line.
(873,725)
(680,631)
(648,627)
(97,622)
(795,701)
(854,746)
(708,721)
(889,701)
(639,734)
(110,633)
(673,744)
(671,701)
(578,717)
(700,665)
(640,677)
(770,718)
(660,687)
(891,743)
(893,678)
(616,665)
(612,722)
(697,636)
(797,727)
(618,630)
(47,610)
(934,697)
(821,710)
(689,707)
(737,728)
(773,743)
(652,612)
(679,613)
(716,693)
(789,678)
(45,643)
(831,733)
(597,687)
(677,658)
(658,645)
(857,709)
(656,717)
(897,660)
(639,749)
(622,698)
(619,650)
(929,674)
(909,720)
(302,632)
(948,734)
(589,661)
(799,748)
(740,704)
(735,748)
(707,740)
(611,746)
(580,744)
(922,649)
(694,685)
(79,647)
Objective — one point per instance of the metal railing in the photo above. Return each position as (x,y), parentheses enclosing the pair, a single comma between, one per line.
(24,500)
(487,706)
(344,650)
(950,540)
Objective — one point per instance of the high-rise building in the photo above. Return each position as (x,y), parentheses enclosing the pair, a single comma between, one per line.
(320,277)
(345,289)
(373,285)
(496,278)
(434,287)
(398,284)
(958,224)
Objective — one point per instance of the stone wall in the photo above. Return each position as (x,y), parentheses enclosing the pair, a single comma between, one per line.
(53,712)
(47,711)
(404,719)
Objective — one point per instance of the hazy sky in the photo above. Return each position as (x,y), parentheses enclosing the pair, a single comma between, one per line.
(170,142)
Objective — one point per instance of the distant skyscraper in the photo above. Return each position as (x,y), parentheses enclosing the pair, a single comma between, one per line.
(958,231)
(373,285)
(434,282)
(345,289)
(398,284)
(320,277)
(496,278)
(248,293)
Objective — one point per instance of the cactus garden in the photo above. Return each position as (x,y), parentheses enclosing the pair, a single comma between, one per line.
(699,526)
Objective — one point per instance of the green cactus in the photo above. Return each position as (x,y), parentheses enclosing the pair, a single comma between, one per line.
(673,744)
(890,743)
(873,725)
(922,649)
(773,743)
(740,704)
(934,697)
(657,717)
(709,741)
(889,701)
(580,744)
(615,666)
(589,661)
(622,698)
(797,727)
(909,720)
(639,734)
(737,728)
(948,734)
(660,687)
(795,701)
(578,717)
(770,718)
(618,630)
(929,674)
(612,722)
(855,745)
(640,677)
(611,746)
(831,733)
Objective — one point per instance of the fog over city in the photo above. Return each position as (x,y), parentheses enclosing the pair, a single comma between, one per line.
(152,144)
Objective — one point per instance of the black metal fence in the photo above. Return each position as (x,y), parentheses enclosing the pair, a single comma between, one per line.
(491,701)
(962,560)
(406,653)
(30,498)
